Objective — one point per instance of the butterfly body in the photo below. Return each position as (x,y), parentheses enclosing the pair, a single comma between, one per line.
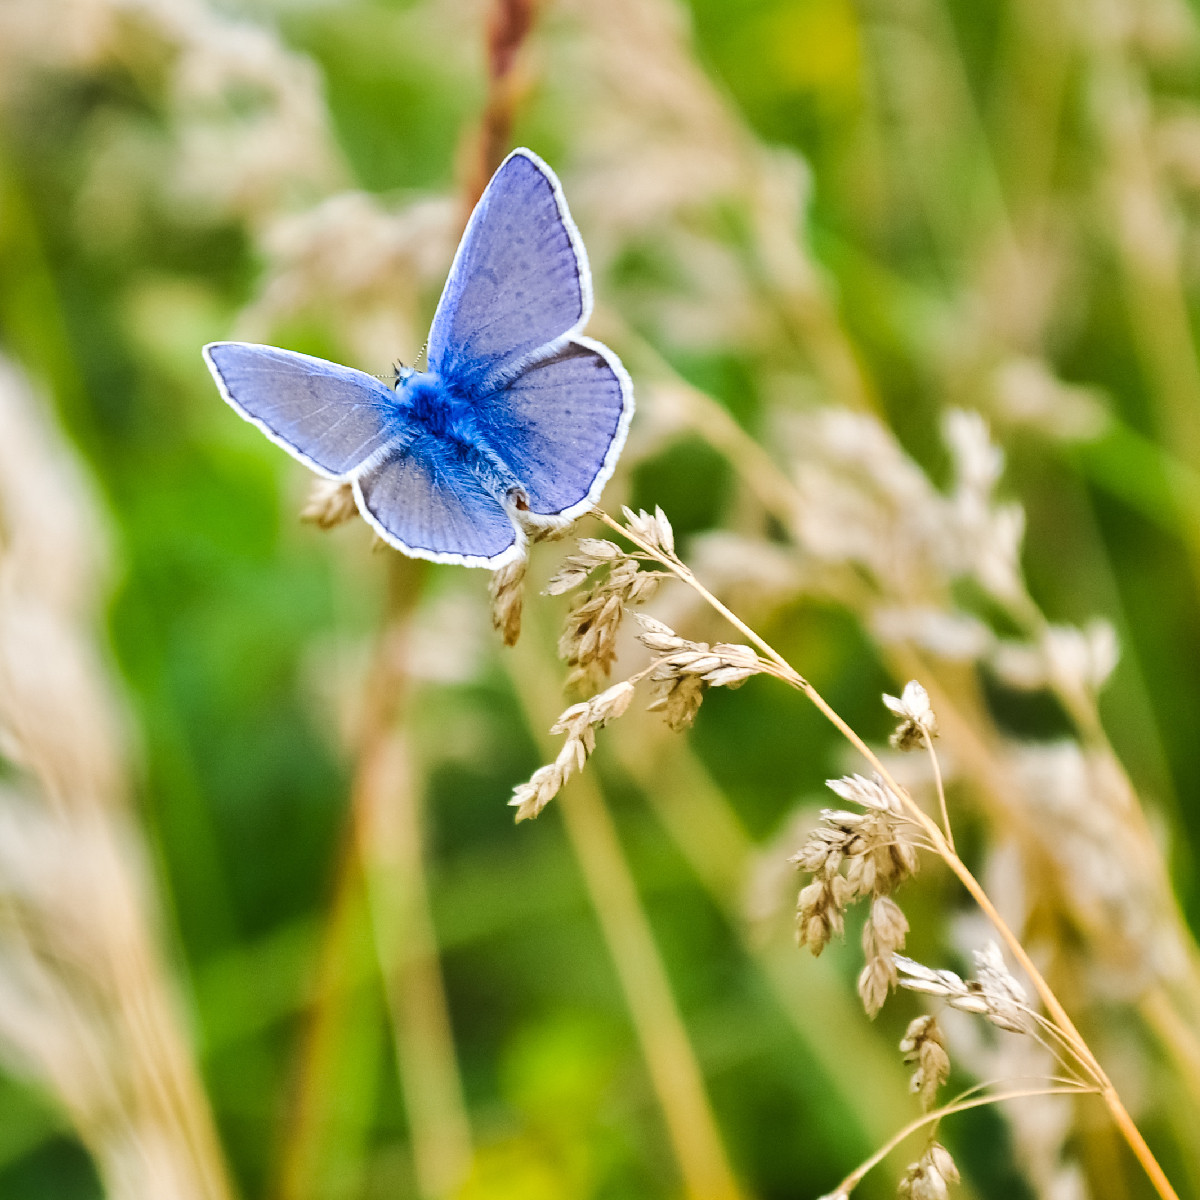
(519,419)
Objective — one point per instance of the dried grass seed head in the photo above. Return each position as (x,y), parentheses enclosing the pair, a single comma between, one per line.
(1087,821)
(1025,392)
(883,934)
(330,503)
(869,511)
(579,723)
(924,1047)
(820,912)
(686,669)
(876,850)
(506,592)
(1008,1000)
(1075,662)
(929,1178)
(85,1001)
(995,994)
(652,528)
(918,722)
(953,636)
(589,639)
(590,553)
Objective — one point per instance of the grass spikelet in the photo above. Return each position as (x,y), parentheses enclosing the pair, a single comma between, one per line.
(995,994)
(579,723)
(877,850)
(330,503)
(588,643)
(918,722)
(929,1178)
(924,1048)
(686,670)
(507,594)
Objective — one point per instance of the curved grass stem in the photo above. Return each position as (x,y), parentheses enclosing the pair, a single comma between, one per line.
(944,850)
(941,788)
(946,1110)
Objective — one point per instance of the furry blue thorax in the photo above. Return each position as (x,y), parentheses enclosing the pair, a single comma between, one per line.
(447,414)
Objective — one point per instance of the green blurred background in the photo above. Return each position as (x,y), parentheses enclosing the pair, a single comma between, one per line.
(972,184)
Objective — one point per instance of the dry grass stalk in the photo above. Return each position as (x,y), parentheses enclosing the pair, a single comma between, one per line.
(86,1001)
(509,26)
(996,994)
(679,675)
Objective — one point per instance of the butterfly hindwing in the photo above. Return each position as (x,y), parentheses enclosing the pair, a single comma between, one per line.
(330,417)
(560,425)
(520,281)
(426,501)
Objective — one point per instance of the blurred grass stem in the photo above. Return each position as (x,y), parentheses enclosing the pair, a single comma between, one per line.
(387,827)
(509,25)
(384,855)
(314,1116)
(670,1059)
(1150,257)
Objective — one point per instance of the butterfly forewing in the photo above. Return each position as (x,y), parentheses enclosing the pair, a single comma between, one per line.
(332,418)
(519,283)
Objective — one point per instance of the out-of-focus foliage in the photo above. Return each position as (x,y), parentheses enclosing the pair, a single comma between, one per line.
(896,207)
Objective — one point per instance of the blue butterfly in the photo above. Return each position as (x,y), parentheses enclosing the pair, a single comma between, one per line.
(516,425)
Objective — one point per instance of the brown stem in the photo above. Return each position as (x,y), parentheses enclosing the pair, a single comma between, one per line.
(509,24)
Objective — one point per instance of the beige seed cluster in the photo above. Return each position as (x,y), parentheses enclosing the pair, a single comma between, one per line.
(877,850)
(507,594)
(579,723)
(679,674)
(917,720)
(994,994)
(929,1178)
(924,1048)
(687,669)
(330,503)
(589,641)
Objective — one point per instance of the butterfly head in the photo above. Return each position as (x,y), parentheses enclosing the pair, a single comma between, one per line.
(401,374)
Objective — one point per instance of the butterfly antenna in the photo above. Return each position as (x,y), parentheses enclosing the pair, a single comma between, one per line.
(422,356)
